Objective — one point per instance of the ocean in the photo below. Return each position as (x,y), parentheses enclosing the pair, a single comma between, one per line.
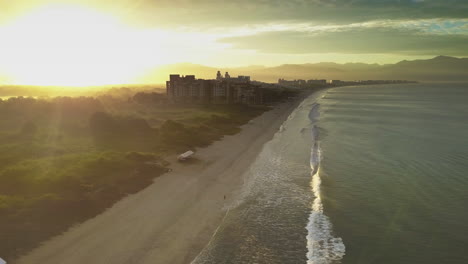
(361,174)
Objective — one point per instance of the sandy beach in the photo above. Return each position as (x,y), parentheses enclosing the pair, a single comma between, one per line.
(173,219)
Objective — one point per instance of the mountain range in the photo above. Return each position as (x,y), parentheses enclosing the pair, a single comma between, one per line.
(438,69)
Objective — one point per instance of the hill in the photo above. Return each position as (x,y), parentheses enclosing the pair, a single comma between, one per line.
(438,69)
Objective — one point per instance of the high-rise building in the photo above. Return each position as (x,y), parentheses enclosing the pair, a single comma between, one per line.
(321,82)
(222,90)
(219,76)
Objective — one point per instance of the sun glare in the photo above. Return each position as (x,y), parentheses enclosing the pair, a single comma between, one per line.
(75,46)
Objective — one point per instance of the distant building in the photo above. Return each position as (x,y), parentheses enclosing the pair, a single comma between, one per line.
(337,82)
(291,83)
(188,89)
(366,82)
(322,82)
(219,76)
(222,90)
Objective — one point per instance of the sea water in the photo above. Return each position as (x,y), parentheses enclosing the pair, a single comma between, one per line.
(363,174)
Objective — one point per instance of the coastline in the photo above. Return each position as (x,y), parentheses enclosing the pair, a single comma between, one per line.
(173,219)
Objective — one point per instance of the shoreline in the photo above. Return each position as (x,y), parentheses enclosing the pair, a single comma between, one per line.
(175,217)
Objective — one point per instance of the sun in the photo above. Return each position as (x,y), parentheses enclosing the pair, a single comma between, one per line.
(66,45)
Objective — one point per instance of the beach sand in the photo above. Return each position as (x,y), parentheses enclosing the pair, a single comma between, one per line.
(173,219)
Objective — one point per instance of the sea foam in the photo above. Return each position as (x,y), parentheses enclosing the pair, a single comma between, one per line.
(323,247)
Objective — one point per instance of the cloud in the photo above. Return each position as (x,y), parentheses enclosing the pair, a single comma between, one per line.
(241,12)
(213,13)
(372,40)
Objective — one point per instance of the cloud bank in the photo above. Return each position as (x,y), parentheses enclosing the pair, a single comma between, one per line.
(364,40)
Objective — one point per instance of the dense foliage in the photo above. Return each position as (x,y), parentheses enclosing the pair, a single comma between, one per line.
(65,159)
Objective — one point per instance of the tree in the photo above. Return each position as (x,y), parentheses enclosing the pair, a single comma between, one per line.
(29,129)
(102,124)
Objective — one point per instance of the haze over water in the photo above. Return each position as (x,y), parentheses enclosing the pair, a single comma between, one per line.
(392,181)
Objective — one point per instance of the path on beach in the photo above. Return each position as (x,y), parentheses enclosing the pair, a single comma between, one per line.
(174,218)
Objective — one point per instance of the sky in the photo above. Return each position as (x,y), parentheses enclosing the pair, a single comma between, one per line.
(96,42)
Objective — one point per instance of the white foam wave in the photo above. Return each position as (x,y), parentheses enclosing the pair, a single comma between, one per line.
(322,246)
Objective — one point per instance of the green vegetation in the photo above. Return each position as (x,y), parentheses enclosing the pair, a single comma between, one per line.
(200,128)
(65,159)
(42,197)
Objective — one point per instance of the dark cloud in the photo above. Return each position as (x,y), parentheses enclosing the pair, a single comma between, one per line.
(355,41)
(235,12)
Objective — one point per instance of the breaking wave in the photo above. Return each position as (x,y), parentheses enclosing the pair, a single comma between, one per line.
(322,246)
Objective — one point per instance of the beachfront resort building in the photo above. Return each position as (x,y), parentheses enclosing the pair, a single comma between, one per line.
(222,90)
(291,83)
(319,82)
(301,83)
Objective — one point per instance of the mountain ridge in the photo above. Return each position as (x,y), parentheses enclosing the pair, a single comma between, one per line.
(439,68)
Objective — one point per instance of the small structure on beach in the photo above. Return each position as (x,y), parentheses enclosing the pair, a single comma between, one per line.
(185,156)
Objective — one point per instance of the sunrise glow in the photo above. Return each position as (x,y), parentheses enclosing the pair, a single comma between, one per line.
(91,43)
(76,46)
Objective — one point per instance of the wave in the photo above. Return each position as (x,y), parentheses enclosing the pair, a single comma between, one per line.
(322,246)
(314,113)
